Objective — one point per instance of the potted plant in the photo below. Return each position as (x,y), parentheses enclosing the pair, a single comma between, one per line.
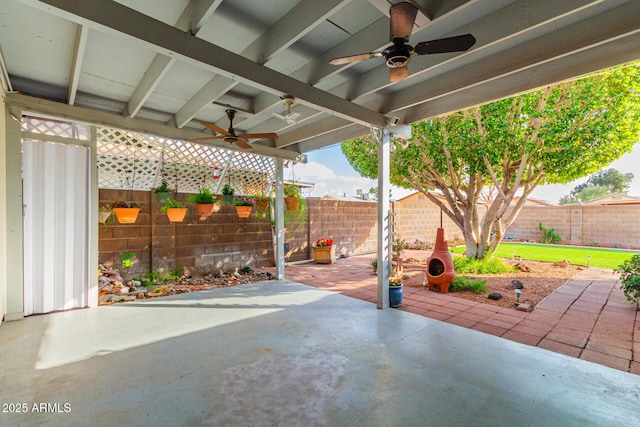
(324,252)
(243,207)
(205,201)
(395,291)
(126,212)
(106,216)
(175,210)
(262,202)
(163,192)
(374,264)
(291,197)
(630,278)
(227,194)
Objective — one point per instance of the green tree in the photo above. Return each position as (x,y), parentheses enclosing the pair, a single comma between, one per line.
(552,135)
(600,184)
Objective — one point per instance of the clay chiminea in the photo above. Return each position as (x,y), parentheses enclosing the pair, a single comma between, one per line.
(440,270)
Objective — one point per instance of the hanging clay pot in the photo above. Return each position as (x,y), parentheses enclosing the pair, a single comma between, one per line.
(205,209)
(127,215)
(243,211)
(262,204)
(292,203)
(176,214)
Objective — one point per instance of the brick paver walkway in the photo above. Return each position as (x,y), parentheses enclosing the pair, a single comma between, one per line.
(588,317)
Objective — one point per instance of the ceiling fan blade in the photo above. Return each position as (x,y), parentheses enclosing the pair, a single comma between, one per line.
(258,135)
(205,138)
(243,144)
(449,44)
(397,74)
(216,128)
(403,16)
(354,58)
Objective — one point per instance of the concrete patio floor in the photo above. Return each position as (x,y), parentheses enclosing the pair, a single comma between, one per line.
(281,353)
(587,318)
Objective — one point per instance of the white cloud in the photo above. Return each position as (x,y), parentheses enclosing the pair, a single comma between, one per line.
(314,171)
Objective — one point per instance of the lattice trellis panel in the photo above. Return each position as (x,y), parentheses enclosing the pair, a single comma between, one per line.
(131,160)
(126,158)
(47,126)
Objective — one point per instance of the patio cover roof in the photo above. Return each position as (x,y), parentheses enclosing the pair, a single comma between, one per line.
(163,66)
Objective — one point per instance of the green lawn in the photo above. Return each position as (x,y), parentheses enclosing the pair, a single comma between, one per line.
(603,258)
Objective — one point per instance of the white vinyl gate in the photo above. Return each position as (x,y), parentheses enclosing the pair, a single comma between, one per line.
(56,194)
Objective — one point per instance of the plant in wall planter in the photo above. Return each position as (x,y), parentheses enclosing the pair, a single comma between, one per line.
(175,210)
(205,202)
(106,216)
(243,207)
(228,194)
(262,202)
(291,197)
(395,291)
(126,212)
(163,192)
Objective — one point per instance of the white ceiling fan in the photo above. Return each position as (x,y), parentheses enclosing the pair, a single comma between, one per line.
(287,115)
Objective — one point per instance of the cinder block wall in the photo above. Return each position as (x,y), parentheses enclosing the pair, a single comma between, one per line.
(418,218)
(611,225)
(223,240)
(525,227)
(351,225)
(219,242)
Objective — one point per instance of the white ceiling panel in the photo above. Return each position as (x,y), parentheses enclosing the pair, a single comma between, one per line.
(174,63)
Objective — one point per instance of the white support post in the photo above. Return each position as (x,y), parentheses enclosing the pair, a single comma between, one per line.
(11,224)
(384,259)
(94,199)
(279,219)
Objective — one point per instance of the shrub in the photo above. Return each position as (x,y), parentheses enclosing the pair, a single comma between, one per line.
(466,265)
(171,204)
(549,235)
(465,283)
(630,278)
(203,197)
(420,245)
(161,275)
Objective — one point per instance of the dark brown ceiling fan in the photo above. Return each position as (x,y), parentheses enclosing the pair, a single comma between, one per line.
(397,56)
(230,136)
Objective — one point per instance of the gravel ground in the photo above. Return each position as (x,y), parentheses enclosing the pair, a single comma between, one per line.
(542,280)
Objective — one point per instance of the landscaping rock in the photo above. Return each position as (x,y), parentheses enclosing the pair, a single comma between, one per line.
(495,296)
(516,284)
(105,298)
(522,267)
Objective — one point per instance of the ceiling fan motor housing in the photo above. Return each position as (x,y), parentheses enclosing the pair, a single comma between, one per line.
(398,54)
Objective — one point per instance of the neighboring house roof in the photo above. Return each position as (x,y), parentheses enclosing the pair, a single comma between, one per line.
(348,199)
(533,202)
(614,199)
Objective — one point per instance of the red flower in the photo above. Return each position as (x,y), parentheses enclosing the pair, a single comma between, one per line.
(324,242)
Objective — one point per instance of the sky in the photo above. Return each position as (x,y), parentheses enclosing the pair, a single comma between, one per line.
(333,175)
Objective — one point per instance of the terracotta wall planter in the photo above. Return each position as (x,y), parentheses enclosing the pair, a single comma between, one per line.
(127,215)
(103,217)
(176,214)
(292,203)
(205,209)
(262,205)
(243,211)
